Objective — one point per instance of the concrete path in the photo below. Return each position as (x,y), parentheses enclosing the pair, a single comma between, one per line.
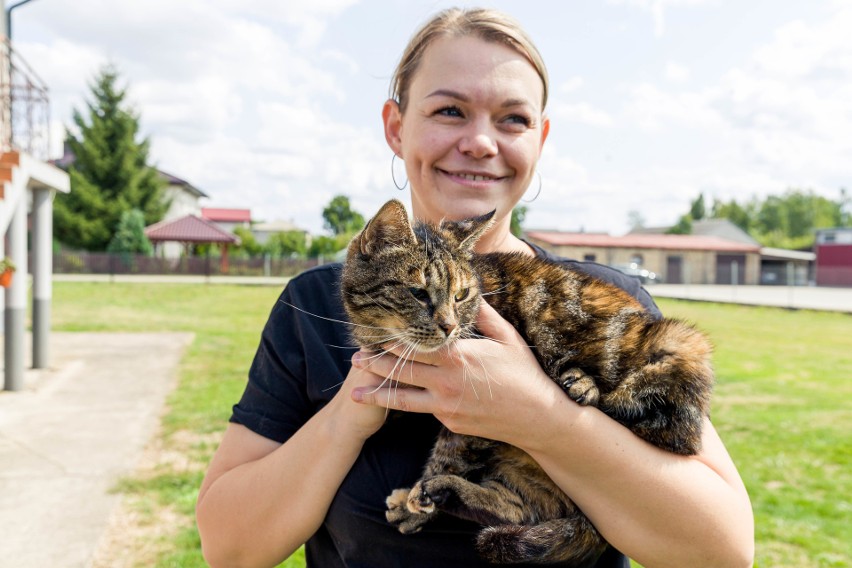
(793,297)
(71,434)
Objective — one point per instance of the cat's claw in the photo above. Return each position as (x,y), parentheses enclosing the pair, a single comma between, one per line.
(580,387)
(419,500)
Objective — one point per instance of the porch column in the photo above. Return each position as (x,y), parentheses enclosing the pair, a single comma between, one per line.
(42,247)
(16,299)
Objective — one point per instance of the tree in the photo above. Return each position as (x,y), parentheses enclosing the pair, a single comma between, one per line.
(697,211)
(339,217)
(248,244)
(326,246)
(635,219)
(519,213)
(737,214)
(129,236)
(110,174)
(682,227)
(286,244)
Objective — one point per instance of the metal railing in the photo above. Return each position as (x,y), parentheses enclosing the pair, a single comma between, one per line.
(24,105)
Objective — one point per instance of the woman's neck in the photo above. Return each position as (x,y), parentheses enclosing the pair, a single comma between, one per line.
(497,240)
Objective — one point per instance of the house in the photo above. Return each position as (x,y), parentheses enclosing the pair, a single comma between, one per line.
(677,259)
(28,185)
(777,266)
(183,197)
(722,228)
(227,219)
(833,250)
(262,231)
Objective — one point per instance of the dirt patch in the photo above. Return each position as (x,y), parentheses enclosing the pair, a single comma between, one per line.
(141,530)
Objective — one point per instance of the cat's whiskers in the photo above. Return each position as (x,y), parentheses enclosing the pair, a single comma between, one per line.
(495,292)
(344,322)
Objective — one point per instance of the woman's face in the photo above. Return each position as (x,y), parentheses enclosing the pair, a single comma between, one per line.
(472,130)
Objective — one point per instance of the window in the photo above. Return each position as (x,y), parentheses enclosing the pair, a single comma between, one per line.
(589,257)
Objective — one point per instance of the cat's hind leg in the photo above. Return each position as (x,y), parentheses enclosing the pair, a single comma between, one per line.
(570,541)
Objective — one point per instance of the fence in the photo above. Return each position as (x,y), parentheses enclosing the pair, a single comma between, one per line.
(77,262)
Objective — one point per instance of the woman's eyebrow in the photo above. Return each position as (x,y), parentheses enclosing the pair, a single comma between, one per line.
(464,98)
(448,93)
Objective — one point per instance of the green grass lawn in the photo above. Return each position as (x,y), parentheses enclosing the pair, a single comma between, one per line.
(783,405)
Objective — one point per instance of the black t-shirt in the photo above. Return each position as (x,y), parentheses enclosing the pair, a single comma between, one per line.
(302,359)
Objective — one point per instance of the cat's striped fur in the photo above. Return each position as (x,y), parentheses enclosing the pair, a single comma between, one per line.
(421,286)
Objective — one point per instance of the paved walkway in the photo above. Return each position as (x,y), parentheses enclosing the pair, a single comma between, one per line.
(793,297)
(71,434)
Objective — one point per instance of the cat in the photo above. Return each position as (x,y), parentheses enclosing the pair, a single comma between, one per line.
(421,285)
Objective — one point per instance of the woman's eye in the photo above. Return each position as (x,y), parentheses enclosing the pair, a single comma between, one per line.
(450,111)
(518,120)
(461,295)
(420,295)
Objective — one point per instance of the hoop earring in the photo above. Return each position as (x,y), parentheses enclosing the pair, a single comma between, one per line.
(393,175)
(537,173)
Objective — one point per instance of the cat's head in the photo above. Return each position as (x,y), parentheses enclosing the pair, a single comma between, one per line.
(412,284)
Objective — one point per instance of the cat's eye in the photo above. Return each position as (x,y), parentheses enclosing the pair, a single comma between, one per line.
(462,295)
(420,295)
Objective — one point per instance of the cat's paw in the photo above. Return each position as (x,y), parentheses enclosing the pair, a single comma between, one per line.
(419,500)
(398,514)
(580,387)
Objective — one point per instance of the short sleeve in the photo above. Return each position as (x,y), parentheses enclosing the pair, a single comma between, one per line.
(301,359)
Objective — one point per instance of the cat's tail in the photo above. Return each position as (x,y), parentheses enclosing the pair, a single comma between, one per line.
(570,540)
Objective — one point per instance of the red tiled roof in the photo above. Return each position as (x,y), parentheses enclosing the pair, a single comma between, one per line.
(189,229)
(640,241)
(226,215)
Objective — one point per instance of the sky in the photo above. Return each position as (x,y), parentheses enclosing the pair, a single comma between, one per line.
(275,105)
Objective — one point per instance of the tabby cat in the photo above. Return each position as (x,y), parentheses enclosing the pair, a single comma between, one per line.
(422,285)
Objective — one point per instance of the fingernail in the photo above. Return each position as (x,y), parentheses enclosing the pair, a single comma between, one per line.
(356,359)
(357,395)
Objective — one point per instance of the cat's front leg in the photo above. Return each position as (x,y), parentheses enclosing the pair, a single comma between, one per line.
(401,516)
(580,387)
(488,504)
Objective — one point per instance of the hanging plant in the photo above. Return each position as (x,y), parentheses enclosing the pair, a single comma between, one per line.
(7,268)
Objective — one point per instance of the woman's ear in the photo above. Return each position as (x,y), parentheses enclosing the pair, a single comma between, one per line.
(392,119)
(545,130)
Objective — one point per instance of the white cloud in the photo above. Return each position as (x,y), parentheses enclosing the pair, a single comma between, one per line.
(571,85)
(583,113)
(676,72)
(657,9)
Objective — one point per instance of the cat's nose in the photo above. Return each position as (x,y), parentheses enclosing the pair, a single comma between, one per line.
(447,327)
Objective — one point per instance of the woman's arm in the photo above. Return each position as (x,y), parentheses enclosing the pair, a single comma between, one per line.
(657,507)
(261,500)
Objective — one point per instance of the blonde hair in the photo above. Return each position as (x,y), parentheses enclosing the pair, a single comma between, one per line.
(486,24)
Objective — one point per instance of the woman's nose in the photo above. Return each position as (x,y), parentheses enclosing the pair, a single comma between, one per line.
(478,142)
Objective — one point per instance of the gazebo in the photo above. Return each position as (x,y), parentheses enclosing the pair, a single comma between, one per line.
(192,230)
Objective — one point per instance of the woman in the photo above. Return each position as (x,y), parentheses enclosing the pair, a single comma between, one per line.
(309,456)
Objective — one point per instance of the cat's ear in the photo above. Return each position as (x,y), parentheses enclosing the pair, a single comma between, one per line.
(468,231)
(389,227)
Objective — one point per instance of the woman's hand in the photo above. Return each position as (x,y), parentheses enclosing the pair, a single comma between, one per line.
(358,419)
(492,387)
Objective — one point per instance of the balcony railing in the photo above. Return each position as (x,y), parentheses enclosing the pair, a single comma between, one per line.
(24,105)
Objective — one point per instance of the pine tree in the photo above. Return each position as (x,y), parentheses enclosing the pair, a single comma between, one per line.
(130,236)
(110,173)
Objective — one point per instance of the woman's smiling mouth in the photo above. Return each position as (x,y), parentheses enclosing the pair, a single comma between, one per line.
(471,176)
